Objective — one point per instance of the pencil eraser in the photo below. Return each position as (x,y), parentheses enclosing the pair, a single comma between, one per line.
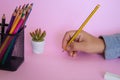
(111,76)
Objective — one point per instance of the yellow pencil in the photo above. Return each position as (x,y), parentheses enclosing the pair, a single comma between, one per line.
(84,23)
(15,23)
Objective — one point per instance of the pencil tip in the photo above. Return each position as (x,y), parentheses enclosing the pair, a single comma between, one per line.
(27,5)
(98,5)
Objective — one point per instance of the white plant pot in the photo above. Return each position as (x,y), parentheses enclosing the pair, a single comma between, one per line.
(38,47)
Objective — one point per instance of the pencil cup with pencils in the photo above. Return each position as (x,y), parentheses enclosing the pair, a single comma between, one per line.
(12,38)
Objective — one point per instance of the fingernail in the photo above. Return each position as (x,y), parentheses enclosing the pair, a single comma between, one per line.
(74,54)
(71,54)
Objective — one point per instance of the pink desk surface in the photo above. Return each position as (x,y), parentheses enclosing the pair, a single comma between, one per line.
(54,64)
(56,17)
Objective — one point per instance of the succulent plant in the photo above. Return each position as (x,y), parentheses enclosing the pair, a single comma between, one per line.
(38,35)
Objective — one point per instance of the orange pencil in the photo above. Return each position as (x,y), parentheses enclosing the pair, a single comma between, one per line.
(15,24)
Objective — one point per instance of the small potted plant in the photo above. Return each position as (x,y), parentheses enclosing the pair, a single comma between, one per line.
(38,40)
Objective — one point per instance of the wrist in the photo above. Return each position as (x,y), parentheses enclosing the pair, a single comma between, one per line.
(102,45)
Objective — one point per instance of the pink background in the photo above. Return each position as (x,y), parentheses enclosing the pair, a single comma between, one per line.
(57,17)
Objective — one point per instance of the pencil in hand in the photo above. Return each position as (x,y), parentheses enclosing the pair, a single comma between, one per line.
(82,26)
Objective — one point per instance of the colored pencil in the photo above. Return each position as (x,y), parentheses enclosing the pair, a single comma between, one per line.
(28,12)
(8,53)
(11,22)
(19,24)
(15,24)
(83,25)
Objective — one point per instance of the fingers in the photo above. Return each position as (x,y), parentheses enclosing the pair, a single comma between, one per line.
(77,46)
(74,46)
(72,49)
(65,41)
(66,38)
(69,48)
(72,53)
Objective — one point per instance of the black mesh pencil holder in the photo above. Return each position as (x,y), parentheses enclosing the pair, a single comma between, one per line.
(13,57)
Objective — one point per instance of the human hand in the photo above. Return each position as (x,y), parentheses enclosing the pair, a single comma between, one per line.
(84,42)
